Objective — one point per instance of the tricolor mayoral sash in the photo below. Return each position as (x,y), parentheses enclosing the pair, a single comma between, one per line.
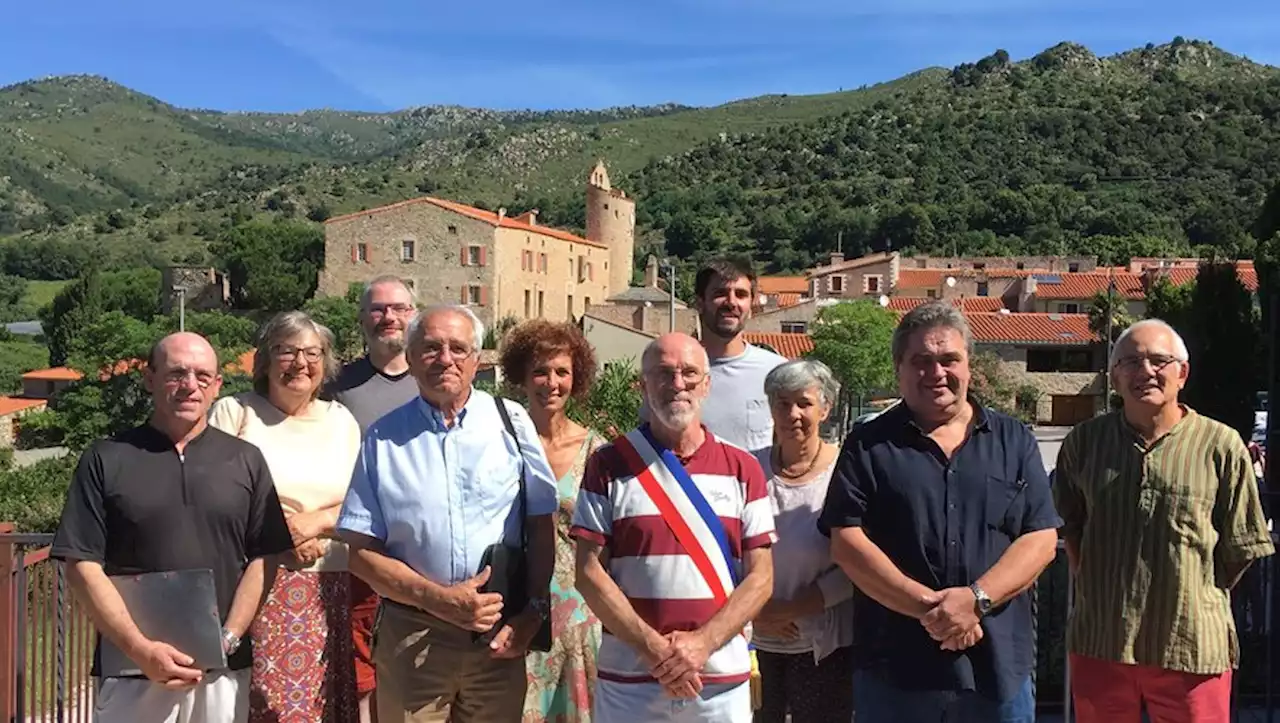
(701,534)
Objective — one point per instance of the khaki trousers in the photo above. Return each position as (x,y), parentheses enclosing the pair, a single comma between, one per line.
(430,671)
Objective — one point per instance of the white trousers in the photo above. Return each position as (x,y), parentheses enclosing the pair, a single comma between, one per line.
(220,698)
(645,702)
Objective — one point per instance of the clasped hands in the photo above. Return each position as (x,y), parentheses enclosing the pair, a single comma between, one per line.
(467,606)
(676,660)
(953,618)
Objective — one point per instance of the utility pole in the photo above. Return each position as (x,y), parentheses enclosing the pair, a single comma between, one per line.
(671,295)
(182,307)
(1111,315)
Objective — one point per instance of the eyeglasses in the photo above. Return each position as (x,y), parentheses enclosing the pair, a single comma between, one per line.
(177,377)
(667,376)
(384,309)
(430,351)
(1134,362)
(311,354)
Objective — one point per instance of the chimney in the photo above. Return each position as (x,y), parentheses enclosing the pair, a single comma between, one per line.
(532,215)
(837,257)
(651,272)
(502,213)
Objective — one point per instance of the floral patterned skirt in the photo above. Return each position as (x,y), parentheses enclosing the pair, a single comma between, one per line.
(303,657)
(562,681)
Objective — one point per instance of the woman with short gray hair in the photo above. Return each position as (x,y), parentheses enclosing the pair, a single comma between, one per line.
(304,656)
(802,636)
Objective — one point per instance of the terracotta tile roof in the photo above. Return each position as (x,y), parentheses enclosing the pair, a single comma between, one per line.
(782,285)
(489,217)
(1247,273)
(968,303)
(920,278)
(55,374)
(788,299)
(1031,328)
(1085,285)
(867,260)
(791,346)
(10,405)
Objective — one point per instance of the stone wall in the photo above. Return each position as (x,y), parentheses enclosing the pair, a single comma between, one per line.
(771,321)
(573,272)
(854,280)
(205,288)
(1014,362)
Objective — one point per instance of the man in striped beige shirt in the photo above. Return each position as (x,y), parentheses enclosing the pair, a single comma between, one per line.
(1162,517)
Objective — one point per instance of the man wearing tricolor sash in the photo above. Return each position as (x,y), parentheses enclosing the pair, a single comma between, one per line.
(673,529)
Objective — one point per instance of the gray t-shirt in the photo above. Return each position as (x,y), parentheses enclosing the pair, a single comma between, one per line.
(737,410)
(368,393)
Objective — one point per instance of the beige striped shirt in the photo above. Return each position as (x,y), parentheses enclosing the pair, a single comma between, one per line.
(1156,528)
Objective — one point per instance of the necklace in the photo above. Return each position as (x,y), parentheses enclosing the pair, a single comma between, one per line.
(778,463)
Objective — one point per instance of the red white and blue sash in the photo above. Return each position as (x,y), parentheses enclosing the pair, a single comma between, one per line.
(684,509)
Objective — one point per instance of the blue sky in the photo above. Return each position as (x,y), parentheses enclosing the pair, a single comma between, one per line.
(288,55)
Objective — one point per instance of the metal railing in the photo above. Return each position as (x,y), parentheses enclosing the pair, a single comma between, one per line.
(46,637)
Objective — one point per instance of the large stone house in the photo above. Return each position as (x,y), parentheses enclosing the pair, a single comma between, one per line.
(501,266)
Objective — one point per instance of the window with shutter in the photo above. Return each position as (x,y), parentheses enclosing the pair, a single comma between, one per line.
(462,255)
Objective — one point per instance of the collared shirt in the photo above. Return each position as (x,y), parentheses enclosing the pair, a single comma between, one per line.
(944,523)
(136,505)
(1156,527)
(438,496)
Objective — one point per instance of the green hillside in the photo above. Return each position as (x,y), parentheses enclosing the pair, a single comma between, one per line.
(1156,149)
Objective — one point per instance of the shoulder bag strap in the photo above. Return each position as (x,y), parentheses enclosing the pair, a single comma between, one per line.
(524,493)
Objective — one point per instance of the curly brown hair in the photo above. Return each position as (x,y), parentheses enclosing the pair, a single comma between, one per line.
(536,340)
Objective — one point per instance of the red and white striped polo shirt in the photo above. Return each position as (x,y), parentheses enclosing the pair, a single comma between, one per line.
(647,561)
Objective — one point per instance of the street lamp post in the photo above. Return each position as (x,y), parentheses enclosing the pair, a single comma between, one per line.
(182,307)
(671,294)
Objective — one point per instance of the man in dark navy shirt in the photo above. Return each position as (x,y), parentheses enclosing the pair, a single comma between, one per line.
(173,494)
(940,512)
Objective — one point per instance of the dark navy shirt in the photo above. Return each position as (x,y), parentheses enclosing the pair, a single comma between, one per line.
(944,523)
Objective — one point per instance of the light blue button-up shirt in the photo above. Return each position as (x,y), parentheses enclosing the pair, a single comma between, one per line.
(437,496)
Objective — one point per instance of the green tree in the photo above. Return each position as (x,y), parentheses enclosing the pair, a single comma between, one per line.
(613,405)
(1225,345)
(990,384)
(1109,306)
(72,309)
(854,339)
(342,316)
(32,497)
(271,266)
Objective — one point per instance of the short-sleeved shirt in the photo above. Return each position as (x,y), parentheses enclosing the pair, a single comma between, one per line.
(1156,528)
(368,393)
(736,409)
(136,505)
(649,564)
(438,496)
(944,523)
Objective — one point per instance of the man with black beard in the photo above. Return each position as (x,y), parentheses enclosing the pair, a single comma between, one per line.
(736,409)
(370,387)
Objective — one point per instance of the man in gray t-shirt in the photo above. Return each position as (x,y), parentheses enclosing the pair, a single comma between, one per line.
(736,409)
(370,387)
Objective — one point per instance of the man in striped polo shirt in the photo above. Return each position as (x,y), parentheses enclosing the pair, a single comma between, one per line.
(672,598)
(1162,517)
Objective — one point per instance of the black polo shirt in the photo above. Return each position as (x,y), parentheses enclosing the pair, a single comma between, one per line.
(135,505)
(943,523)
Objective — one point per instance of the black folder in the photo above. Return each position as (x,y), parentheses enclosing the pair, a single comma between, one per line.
(179,608)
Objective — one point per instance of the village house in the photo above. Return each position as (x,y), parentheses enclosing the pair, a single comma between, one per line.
(500,266)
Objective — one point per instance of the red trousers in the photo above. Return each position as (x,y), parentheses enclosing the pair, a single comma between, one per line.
(1107,692)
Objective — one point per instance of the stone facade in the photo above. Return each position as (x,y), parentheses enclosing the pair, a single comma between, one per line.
(868,277)
(204,289)
(786,320)
(613,341)
(500,266)
(1013,360)
(1046,264)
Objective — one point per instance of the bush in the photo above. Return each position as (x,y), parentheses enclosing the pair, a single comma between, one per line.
(32,497)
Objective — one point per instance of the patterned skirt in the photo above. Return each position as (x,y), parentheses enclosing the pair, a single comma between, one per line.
(562,681)
(303,660)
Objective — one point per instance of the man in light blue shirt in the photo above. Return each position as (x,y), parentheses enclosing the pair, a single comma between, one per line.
(436,488)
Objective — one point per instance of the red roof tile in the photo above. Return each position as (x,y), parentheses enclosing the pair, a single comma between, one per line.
(791,346)
(56,374)
(968,303)
(1085,285)
(10,405)
(1028,328)
(787,299)
(920,278)
(1247,273)
(782,285)
(489,217)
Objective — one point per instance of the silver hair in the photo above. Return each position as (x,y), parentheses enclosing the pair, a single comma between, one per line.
(929,315)
(1179,345)
(367,293)
(284,326)
(799,375)
(413,332)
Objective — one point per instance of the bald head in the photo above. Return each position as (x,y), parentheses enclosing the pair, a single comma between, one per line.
(674,344)
(184,341)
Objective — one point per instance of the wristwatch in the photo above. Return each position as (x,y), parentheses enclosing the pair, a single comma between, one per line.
(981,601)
(230,642)
(541,606)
